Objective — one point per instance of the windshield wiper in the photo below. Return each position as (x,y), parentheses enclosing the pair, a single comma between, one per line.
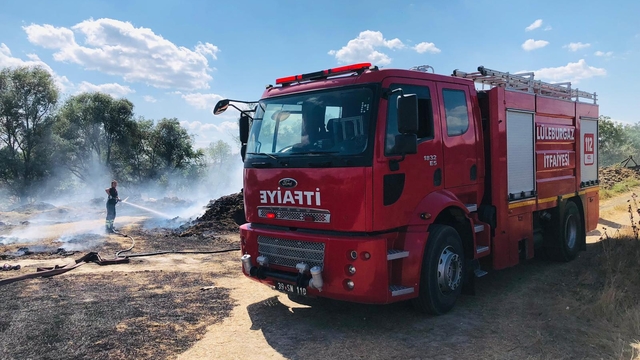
(318,152)
(265,154)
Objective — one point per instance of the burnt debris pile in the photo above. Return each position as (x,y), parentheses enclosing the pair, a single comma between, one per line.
(611,175)
(223,215)
(33,207)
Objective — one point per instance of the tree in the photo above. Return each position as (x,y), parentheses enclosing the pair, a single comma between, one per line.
(89,127)
(131,162)
(172,145)
(28,97)
(218,153)
(614,142)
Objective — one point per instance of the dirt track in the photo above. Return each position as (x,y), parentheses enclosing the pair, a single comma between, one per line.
(536,310)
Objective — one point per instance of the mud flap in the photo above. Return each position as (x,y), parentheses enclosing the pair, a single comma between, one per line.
(469,285)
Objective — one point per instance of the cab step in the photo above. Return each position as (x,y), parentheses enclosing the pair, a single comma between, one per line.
(479,272)
(394,254)
(481,249)
(472,207)
(397,290)
(478,228)
(475,265)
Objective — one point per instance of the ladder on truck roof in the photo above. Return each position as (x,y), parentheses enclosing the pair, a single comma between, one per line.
(525,82)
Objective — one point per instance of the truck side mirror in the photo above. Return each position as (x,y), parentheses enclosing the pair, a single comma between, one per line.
(221,106)
(243,151)
(243,125)
(407,106)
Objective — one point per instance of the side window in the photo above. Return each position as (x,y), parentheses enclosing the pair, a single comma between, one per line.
(425,115)
(456,112)
(332,112)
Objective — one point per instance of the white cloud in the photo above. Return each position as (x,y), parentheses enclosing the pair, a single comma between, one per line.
(206,133)
(576,46)
(534,44)
(113,89)
(534,25)
(548,28)
(207,49)
(136,54)
(573,72)
(201,101)
(363,48)
(149,98)
(49,37)
(605,54)
(424,47)
(7,60)
(225,126)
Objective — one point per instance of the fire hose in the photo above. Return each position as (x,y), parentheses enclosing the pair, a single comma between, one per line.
(96,258)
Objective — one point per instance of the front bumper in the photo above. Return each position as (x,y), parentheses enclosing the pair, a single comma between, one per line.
(353,268)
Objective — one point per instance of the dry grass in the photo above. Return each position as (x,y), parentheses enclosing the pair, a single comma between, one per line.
(609,286)
(619,188)
(617,301)
(135,315)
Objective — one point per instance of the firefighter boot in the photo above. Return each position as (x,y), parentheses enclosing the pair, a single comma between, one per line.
(109,227)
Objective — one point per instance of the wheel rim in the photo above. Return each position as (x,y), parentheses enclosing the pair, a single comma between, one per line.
(449,270)
(571,231)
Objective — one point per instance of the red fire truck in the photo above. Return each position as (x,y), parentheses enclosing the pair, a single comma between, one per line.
(381,185)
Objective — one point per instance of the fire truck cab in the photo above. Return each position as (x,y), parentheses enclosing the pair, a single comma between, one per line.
(382,185)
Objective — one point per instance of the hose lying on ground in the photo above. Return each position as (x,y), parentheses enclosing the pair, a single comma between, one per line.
(133,243)
(96,258)
(162,252)
(56,270)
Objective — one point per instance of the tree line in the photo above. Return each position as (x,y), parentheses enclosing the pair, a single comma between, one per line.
(617,141)
(89,136)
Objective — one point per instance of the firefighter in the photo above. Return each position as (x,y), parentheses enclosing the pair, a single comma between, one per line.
(313,128)
(112,200)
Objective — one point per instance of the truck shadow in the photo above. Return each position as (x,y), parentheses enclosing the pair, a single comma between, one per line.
(611,224)
(512,301)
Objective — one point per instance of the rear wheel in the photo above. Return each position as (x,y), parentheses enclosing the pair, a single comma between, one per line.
(568,236)
(442,271)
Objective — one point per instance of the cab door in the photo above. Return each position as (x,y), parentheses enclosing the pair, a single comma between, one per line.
(399,185)
(459,139)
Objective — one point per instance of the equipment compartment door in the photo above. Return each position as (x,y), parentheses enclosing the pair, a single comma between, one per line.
(521,165)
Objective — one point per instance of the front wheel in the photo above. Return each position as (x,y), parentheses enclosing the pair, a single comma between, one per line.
(442,271)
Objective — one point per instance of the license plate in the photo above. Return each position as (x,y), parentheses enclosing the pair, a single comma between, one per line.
(290,289)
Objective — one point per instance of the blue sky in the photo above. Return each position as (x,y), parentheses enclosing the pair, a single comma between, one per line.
(176,59)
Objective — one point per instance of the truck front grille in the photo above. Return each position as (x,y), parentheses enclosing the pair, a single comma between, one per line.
(291,252)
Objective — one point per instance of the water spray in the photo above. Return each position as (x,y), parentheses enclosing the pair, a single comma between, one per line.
(146,209)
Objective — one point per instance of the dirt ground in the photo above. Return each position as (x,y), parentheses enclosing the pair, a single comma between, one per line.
(200,306)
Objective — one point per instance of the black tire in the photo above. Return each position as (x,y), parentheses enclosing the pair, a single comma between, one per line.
(568,235)
(437,295)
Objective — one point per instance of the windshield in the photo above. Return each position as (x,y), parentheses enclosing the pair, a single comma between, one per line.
(335,122)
